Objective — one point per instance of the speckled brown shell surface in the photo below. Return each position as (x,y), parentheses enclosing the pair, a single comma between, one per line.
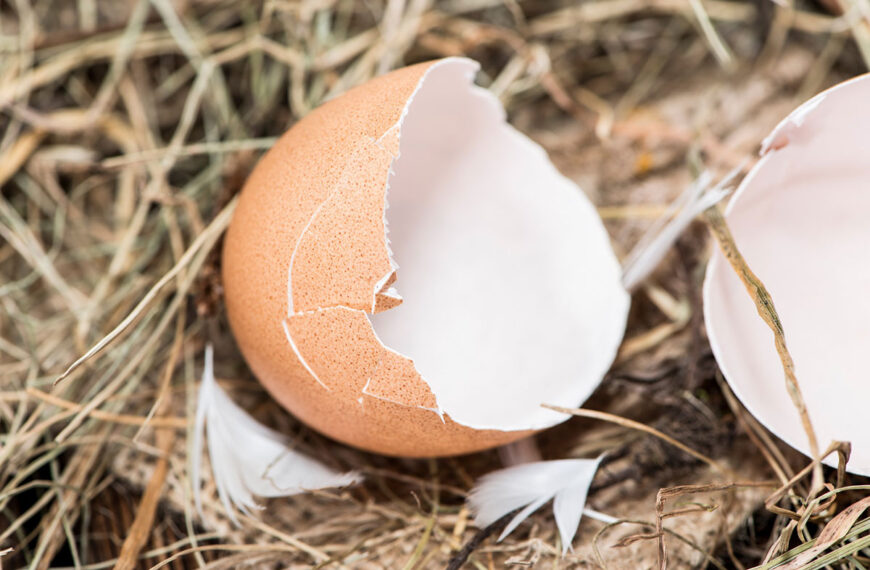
(316,201)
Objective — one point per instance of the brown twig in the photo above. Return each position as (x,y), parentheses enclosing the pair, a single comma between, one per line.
(461,557)
(140,530)
(625,422)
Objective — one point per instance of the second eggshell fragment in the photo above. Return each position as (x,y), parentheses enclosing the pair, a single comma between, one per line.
(411,275)
(800,219)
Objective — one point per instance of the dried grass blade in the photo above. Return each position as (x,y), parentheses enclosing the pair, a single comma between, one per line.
(206,239)
(767,311)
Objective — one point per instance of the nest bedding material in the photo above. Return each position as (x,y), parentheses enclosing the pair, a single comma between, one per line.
(128,127)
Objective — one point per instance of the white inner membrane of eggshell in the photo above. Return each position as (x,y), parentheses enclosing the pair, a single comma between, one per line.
(511,291)
(802,221)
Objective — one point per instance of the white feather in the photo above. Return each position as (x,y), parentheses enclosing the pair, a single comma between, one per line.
(531,485)
(655,243)
(248,459)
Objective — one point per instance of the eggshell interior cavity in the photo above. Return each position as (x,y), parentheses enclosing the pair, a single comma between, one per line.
(511,293)
(801,219)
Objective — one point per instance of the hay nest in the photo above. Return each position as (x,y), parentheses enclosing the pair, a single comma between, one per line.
(127,128)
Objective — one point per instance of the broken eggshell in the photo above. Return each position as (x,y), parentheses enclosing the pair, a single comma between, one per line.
(800,219)
(436,325)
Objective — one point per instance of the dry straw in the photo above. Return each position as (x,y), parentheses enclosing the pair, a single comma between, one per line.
(126,128)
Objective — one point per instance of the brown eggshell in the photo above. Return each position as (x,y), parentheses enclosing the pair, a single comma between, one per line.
(320,358)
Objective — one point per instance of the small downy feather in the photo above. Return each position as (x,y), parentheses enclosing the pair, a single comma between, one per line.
(529,486)
(655,243)
(248,459)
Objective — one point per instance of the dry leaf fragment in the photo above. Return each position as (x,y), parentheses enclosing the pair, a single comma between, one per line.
(836,529)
